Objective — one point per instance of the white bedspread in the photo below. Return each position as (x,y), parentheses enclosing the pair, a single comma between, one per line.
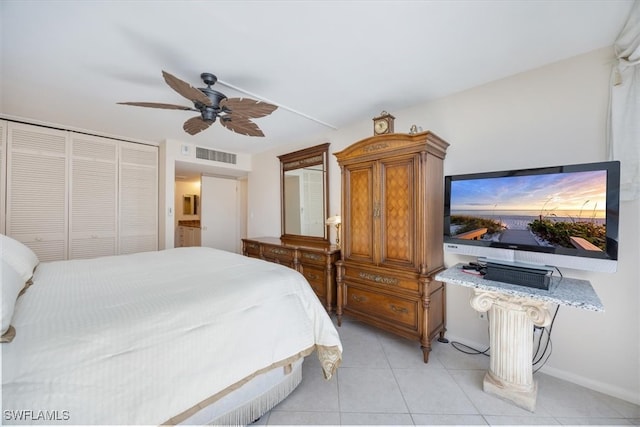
(141,338)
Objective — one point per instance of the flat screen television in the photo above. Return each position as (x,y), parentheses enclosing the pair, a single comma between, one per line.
(560,216)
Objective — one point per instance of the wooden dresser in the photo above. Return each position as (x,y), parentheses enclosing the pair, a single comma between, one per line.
(317,265)
(392,219)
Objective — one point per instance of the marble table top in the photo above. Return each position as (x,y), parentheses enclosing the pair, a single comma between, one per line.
(562,290)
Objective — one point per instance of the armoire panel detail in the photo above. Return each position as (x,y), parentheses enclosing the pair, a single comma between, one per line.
(360,214)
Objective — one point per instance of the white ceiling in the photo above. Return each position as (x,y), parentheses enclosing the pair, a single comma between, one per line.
(70,62)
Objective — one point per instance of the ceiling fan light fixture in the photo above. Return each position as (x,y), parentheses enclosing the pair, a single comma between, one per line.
(209,115)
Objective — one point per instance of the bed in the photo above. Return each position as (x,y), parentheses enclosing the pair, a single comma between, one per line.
(185,335)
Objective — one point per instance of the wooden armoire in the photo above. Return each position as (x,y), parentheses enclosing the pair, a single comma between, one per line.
(392,217)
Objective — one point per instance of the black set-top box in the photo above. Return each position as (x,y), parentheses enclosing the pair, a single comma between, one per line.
(539,278)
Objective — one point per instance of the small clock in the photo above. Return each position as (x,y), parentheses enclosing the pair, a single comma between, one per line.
(383,124)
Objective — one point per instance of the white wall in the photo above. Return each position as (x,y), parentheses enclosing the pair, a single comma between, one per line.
(549,116)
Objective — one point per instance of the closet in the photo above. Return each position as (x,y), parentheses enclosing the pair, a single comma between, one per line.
(70,195)
(3,173)
(392,218)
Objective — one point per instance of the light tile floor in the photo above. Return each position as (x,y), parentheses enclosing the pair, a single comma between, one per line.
(382,381)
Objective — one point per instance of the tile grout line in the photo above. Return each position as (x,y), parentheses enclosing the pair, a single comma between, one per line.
(386,357)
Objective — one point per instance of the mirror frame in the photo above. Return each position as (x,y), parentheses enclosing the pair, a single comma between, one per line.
(298,159)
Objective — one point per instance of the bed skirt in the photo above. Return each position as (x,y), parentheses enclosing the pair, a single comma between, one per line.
(248,403)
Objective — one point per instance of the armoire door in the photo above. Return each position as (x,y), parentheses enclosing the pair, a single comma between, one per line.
(219,216)
(37,197)
(398,211)
(361,208)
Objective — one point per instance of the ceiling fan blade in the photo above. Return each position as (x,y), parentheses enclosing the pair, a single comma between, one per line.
(241,125)
(195,125)
(185,89)
(247,107)
(158,105)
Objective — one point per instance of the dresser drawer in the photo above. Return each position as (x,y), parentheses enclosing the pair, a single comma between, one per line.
(279,254)
(316,264)
(384,279)
(316,278)
(252,249)
(309,257)
(383,307)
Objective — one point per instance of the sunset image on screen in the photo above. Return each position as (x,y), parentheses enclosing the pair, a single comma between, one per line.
(565,209)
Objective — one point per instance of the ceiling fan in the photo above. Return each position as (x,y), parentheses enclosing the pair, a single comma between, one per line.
(234,113)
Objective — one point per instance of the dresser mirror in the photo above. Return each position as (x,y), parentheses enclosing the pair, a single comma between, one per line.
(305,200)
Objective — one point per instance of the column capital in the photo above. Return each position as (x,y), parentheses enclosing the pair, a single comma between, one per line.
(536,311)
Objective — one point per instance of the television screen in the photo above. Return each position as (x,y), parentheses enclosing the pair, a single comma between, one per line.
(564,210)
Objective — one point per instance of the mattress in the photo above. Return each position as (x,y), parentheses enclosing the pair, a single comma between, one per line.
(149,338)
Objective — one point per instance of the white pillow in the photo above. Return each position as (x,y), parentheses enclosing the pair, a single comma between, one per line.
(12,284)
(19,256)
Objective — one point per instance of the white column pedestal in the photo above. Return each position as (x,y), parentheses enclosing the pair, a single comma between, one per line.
(511,321)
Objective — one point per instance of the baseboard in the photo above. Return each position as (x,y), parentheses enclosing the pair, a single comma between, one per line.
(599,386)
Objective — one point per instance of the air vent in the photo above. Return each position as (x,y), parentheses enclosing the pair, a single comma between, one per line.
(216,156)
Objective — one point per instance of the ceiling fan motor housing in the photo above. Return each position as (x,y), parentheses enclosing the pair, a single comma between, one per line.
(209,113)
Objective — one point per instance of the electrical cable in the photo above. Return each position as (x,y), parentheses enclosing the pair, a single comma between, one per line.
(472,350)
(548,345)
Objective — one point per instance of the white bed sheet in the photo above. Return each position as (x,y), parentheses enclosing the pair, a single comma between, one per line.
(142,338)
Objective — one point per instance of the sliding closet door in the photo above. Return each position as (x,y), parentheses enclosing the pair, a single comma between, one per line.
(93,205)
(37,189)
(138,198)
(3,173)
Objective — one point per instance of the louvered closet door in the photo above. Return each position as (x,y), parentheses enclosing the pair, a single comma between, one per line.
(93,205)
(138,198)
(3,173)
(37,189)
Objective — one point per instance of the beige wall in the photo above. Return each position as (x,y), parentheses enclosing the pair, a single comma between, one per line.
(549,116)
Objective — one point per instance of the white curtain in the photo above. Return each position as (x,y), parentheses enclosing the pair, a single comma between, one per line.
(624,116)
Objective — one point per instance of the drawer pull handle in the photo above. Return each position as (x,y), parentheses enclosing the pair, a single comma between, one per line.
(379,279)
(314,257)
(312,276)
(279,251)
(357,298)
(252,246)
(398,309)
